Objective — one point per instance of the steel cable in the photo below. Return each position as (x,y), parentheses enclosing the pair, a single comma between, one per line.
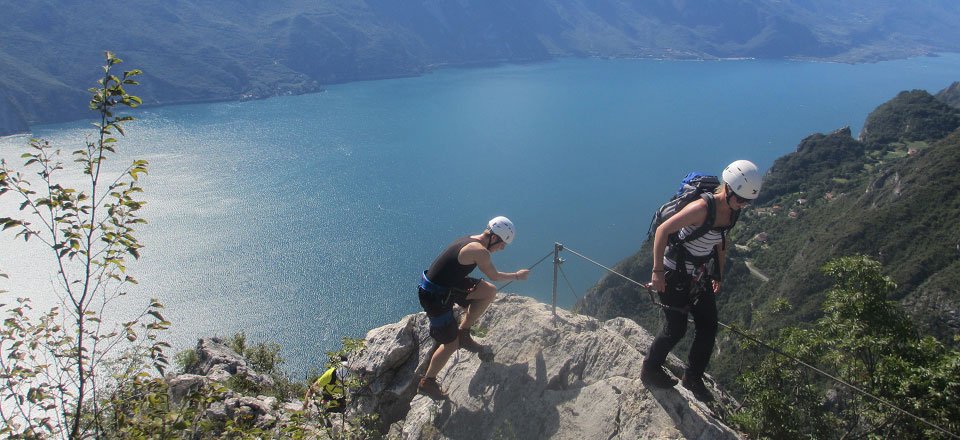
(572,290)
(529,268)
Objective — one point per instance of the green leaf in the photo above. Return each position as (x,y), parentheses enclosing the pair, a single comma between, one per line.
(9,223)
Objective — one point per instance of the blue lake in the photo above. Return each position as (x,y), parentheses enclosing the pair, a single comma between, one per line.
(302,219)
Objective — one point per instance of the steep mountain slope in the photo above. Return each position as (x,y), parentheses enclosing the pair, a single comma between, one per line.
(215,50)
(950,95)
(911,116)
(894,196)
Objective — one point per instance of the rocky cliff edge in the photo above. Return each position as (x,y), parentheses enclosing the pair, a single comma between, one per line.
(564,376)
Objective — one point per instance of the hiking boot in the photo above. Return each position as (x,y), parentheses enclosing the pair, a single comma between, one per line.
(657,377)
(429,387)
(695,384)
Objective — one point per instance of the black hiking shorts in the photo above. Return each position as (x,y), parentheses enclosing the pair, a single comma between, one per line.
(439,308)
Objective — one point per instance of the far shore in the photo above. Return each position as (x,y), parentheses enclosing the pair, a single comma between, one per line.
(659,55)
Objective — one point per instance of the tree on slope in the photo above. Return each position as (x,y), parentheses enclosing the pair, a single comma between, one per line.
(864,339)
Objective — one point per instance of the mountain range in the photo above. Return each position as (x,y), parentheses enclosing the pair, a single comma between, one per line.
(195,51)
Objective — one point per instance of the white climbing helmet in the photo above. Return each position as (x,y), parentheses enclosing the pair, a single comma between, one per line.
(744,178)
(503,227)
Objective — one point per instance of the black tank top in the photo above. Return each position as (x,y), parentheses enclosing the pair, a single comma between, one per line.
(446,270)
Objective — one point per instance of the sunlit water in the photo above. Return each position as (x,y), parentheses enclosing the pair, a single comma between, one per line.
(303,219)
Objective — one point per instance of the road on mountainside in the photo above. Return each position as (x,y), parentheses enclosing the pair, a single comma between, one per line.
(756,272)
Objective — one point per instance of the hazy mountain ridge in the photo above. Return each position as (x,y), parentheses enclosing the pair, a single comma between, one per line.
(199,51)
(892,195)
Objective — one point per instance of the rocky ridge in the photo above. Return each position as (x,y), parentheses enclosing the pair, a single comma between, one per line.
(567,376)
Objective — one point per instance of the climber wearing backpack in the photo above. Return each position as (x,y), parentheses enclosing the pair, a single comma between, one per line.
(689,244)
(446,283)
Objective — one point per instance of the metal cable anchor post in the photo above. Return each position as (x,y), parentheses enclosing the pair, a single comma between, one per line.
(557,261)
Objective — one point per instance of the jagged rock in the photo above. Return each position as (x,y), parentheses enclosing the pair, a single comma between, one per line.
(250,408)
(219,363)
(217,411)
(213,354)
(388,367)
(219,375)
(269,401)
(566,377)
(185,384)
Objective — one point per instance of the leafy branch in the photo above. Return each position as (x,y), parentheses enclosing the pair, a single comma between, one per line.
(56,364)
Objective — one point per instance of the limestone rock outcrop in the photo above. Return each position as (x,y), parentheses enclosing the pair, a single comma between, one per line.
(564,376)
(218,363)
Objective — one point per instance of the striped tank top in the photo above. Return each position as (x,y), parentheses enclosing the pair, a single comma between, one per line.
(701,247)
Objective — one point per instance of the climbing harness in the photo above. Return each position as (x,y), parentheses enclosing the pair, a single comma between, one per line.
(437,293)
(434,289)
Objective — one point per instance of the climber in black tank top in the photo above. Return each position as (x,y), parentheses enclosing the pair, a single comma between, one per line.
(447,282)
(446,270)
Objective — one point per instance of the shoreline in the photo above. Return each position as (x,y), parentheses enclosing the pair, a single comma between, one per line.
(430,68)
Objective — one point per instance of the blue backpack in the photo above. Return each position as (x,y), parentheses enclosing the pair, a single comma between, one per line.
(695,186)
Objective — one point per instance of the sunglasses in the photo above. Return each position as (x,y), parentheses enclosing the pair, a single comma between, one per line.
(741,200)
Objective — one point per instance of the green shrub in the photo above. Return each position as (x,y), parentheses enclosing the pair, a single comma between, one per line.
(864,339)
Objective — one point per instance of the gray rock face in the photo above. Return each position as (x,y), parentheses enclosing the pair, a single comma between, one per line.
(218,363)
(568,376)
(185,384)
